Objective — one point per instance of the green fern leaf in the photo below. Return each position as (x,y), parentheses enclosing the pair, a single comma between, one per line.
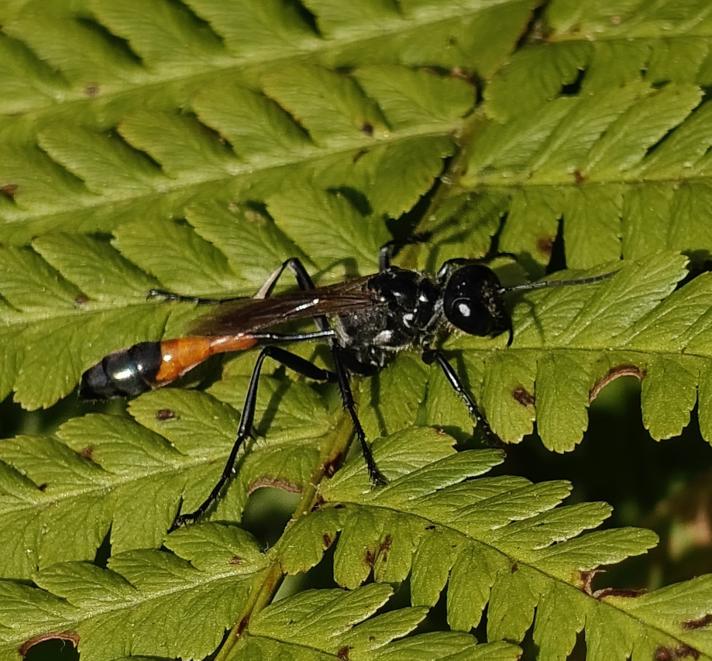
(275,130)
(138,602)
(529,554)
(430,522)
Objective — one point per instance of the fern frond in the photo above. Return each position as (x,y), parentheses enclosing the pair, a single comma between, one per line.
(499,542)
(118,112)
(496,542)
(193,145)
(147,602)
(606,127)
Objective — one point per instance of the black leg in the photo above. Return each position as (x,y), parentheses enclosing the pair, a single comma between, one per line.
(392,248)
(342,374)
(172,296)
(265,291)
(305,282)
(286,358)
(434,356)
(301,275)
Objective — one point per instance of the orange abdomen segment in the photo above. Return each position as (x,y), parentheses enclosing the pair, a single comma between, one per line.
(183,354)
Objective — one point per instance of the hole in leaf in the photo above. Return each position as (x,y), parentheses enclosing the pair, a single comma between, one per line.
(573,87)
(52,646)
(267,512)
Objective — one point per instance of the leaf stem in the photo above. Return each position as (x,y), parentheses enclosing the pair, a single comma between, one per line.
(335,447)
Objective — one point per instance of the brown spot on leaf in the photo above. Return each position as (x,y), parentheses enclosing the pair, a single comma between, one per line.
(8,191)
(586,580)
(274,483)
(545,245)
(242,625)
(88,452)
(70,636)
(369,557)
(385,546)
(326,540)
(663,654)
(367,128)
(618,592)
(81,299)
(514,568)
(461,74)
(698,623)
(680,652)
(91,89)
(235,560)
(165,414)
(343,652)
(613,374)
(685,651)
(579,177)
(523,396)
(386,543)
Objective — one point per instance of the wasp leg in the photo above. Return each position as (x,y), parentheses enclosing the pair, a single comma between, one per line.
(301,275)
(342,374)
(390,249)
(265,291)
(434,356)
(305,282)
(172,296)
(286,358)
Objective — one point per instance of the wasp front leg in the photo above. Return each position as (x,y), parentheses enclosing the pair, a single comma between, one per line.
(431,356)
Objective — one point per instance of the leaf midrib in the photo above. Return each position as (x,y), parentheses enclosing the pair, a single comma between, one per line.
(307,46)
(240,169)
(127,605)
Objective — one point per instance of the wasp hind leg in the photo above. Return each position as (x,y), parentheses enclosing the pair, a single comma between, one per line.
(284,357)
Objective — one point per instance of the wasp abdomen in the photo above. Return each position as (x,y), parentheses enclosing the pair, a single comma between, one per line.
(124,373)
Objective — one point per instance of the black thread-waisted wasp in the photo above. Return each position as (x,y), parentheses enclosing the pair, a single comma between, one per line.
(366,322)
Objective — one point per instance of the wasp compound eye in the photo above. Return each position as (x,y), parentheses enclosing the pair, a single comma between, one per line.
(473,302)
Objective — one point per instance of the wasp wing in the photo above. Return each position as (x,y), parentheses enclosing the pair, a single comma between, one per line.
(251,315)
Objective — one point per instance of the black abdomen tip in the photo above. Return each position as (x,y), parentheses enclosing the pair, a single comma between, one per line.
(124,373)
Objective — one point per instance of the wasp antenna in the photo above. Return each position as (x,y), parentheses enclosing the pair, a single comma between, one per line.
(545,284)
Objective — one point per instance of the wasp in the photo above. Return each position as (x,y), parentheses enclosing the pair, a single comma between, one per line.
(366,321)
